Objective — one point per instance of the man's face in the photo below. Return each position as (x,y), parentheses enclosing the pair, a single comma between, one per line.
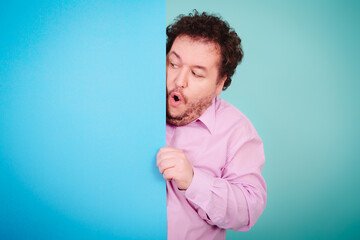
(192,79)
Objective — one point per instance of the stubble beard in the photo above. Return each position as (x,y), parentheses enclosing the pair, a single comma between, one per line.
(193,111)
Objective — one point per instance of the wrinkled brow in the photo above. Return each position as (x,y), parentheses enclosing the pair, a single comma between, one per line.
(176,55)
(194,66)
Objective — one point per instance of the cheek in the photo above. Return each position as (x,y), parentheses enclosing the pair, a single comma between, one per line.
(195,93)
(169,84)
(168,80)
(169,76)
(203,88)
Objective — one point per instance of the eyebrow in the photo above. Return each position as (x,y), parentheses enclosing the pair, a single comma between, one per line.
(176,55)
(195,66)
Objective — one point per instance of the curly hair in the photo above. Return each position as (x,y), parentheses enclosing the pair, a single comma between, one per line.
(210,28)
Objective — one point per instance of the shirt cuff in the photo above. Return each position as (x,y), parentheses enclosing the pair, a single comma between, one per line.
(199,191)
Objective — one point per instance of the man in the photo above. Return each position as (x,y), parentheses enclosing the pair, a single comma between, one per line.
(213,156)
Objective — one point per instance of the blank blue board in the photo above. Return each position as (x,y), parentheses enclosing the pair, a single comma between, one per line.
(82,116)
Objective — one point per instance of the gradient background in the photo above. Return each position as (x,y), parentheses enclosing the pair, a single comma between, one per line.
(69,137)
(299,85)
(82,116)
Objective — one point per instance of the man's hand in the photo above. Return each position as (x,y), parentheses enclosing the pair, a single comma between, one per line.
(173,164)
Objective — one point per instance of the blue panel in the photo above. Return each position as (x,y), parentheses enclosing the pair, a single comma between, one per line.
(82,116)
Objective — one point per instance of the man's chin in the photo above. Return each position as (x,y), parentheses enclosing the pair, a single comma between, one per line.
(179,121)
(174,114)
(175,120)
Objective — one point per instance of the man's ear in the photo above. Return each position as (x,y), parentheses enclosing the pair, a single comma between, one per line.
(220,85)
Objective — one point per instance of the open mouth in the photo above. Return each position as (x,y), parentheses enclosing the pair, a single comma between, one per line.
(175,99)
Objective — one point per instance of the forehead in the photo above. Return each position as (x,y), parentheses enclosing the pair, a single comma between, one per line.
(195,51)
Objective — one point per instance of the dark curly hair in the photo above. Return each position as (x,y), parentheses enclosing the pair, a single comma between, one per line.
(210,28)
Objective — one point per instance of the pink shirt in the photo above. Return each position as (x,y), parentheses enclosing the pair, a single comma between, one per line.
(227,190)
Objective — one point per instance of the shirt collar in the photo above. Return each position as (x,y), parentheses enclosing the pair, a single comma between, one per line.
(208,117)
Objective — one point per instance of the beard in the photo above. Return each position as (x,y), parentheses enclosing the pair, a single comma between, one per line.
(194,109)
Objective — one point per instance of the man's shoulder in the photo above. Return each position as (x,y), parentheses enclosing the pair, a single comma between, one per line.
(231,118)
(223,107)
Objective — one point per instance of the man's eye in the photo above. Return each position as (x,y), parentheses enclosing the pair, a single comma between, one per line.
(174,65)
(196,75)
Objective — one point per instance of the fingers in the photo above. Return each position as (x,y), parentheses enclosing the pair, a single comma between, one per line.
(169,174)
(166,160)
(168,154)
(168,149)
(173,164)
(165,164)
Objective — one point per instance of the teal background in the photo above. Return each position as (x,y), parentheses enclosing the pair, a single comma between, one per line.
(82,116)
(299,85)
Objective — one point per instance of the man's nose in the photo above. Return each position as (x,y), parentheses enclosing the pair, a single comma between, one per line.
(182,79)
